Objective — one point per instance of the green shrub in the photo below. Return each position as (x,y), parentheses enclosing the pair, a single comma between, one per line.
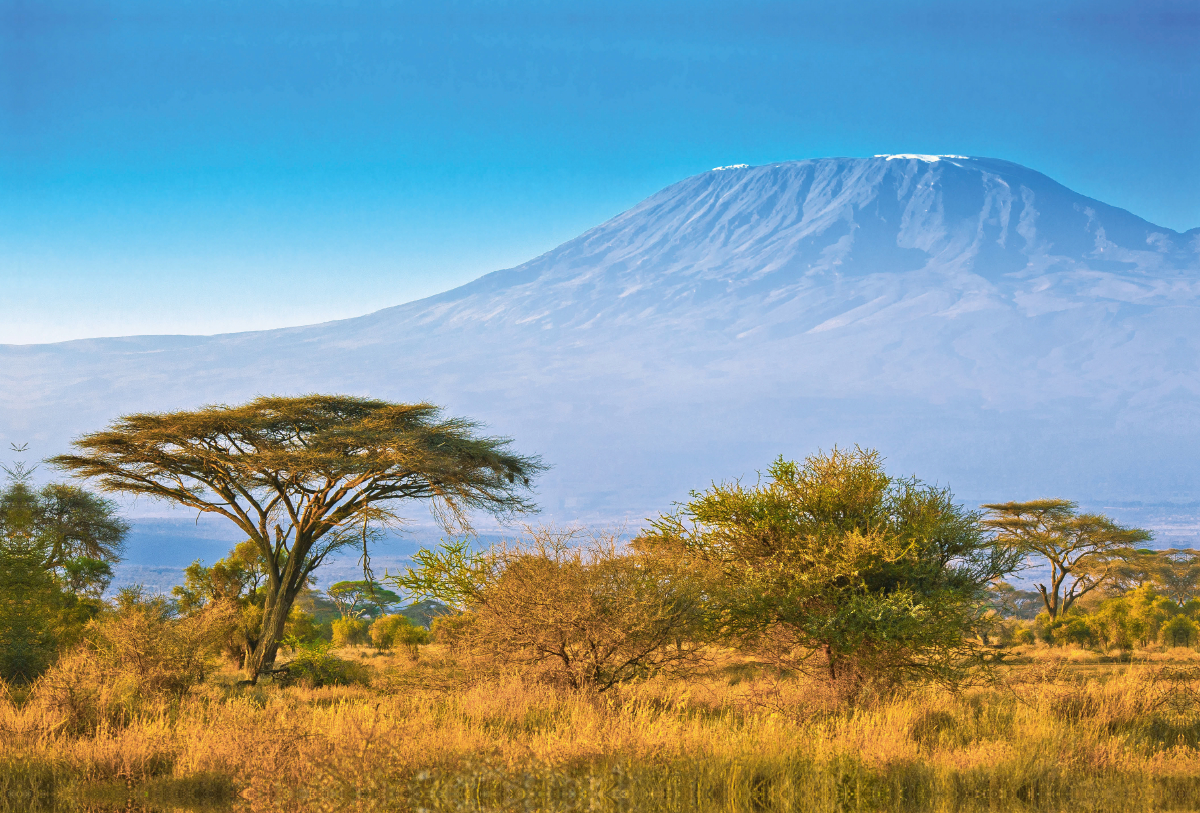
(1116,625)
(1179,631)
(1042,627)
(1023,637)
(398,630)
(349,632)
(315,666)
(1073,630)
(301,626)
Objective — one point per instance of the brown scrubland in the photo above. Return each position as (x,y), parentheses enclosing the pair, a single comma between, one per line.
(1059,728)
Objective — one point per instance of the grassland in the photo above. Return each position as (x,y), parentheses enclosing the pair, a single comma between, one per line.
(1061,729)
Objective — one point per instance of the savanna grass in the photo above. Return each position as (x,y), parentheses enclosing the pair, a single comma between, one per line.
(1052,735)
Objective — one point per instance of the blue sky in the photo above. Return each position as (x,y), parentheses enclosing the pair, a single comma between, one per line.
(199,167)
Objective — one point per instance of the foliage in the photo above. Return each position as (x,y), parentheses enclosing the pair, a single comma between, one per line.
(65,522)
(1179,631)
(85,576)
(885,576)
(1084,551)
(28,605)
(304,476)
(1009,602)
(50,576)
(578,606)
(452,628)
(398,630)
(132,657)
(425,613)
(301,628)
(354,599)
(235,578)
(231,583)
(315,666)
(1115,625)
(349,632)
(1174,572)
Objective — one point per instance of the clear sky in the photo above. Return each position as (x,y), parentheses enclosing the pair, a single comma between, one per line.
(200,167)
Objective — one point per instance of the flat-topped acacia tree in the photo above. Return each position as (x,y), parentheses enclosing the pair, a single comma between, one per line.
(304,476)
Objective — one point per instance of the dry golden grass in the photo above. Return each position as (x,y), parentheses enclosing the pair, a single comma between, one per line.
(1057,730)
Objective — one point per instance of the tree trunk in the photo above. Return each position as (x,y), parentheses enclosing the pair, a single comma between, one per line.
(275,614)
(282,590)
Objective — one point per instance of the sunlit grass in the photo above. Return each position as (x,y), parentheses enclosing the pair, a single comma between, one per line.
(1056,731)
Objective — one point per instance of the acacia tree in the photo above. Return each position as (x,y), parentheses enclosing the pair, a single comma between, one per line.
(78,533)
(885,577)
(1178,574)
(354,599)
(305,476)
(1084,551)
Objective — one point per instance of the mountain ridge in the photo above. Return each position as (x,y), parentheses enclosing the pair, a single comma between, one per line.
(976,320)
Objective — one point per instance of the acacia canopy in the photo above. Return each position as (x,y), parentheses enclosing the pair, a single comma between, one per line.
(885,576)
(1084,551)
(304,476)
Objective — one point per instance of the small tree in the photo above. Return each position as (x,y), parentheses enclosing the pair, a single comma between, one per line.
(1179,631)
(349,632)
(578,605)
(1010,602)
(354,599)
(1116,626)
(392,630)
(1082,550)
(50,539)
(78,534)
(1177,574)
(886,577)
(235,578)
(303,477)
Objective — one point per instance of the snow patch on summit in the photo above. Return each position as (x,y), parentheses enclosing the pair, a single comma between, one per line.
(907,156)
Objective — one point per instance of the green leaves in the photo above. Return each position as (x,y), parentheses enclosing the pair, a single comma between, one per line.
(834,556)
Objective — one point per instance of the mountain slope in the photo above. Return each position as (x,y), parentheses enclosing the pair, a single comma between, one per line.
(976,321)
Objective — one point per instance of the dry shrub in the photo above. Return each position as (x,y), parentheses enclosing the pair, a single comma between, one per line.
(577,609)
(132,661)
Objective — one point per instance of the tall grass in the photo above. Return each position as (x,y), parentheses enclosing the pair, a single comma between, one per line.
(428,735)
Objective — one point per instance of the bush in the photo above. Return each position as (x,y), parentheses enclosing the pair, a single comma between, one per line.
(1023,637)
(393,630)
(315,666)
(349,632)
(302,627)
(1179,631)
(1073,630)
(133,658)
(589,616)
(1116,626)
(451,629)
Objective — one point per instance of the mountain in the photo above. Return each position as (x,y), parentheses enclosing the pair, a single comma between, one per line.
(980,324)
